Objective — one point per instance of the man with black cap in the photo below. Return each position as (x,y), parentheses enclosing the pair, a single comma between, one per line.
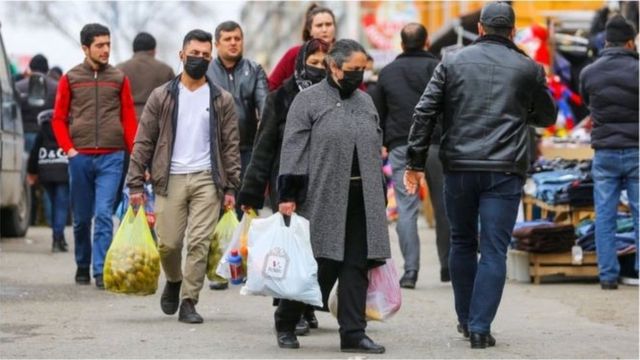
(38,66)
(609,87)
(489,94)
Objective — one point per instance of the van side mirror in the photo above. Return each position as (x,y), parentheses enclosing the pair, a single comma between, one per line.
(37,94)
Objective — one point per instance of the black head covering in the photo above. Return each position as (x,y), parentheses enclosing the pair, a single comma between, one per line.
(300,73)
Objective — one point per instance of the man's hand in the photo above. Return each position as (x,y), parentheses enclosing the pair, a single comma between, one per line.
(147,175)
(287,208)
(32,179)
(229,201)
(72,152)
(246,208)
(412,180)
(136,199)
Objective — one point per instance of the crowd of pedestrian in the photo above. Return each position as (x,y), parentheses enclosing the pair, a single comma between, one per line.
(223,135)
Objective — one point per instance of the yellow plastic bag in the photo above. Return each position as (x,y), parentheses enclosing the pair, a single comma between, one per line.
(132,265)
(221,239)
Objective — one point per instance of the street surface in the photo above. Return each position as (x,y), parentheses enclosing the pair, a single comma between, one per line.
(43,314)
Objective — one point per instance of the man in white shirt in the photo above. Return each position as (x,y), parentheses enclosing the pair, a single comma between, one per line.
(188,135)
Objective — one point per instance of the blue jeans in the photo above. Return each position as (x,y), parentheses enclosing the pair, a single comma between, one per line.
(408,211)
(478,285)
(59,195)
(94,183)
(613,170)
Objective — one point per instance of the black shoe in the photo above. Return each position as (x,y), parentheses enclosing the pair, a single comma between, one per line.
(64,247)
(99,282)
(481,341)
(170,299)
(188,313)
(287,340)
(609,285)
(55,247)
(464,330)
(302,327)
(444,275)
(219,285)
(82,276)
(408,280)
(365,345)
(311,318)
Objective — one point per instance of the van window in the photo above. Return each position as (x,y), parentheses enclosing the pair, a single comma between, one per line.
(6,92)
(5,75)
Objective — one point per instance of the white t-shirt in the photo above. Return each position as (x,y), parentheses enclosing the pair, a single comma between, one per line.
(191,150)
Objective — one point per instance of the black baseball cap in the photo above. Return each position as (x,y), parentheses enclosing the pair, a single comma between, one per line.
(498,15)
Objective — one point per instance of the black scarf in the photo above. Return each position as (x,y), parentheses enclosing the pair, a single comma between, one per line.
(501,40)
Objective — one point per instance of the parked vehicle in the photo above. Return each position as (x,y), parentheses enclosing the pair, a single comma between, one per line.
(15,197)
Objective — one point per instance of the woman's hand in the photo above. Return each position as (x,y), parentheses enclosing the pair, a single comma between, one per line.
(287,208)
(412,180)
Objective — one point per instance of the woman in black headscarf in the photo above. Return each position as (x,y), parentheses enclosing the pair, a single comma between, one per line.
(262,172)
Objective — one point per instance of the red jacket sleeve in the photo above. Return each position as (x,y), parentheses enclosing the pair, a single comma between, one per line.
(128,115)
(284,69)
(60,121)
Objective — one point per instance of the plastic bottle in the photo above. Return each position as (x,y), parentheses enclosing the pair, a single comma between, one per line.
(235,267)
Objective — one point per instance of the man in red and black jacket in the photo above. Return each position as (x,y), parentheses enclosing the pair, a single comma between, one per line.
(94,121)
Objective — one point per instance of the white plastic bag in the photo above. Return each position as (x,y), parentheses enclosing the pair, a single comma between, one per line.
(238,242)
(281,262)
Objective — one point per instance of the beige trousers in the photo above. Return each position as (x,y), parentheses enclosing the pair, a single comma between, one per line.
(192,204)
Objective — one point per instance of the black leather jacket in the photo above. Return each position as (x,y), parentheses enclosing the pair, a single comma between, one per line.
(247,82)
(489,93)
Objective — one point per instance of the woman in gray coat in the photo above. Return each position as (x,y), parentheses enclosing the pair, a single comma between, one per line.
(330,173)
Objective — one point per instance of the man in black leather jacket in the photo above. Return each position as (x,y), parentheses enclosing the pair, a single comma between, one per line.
(244,79)
(489,94)
(247,82)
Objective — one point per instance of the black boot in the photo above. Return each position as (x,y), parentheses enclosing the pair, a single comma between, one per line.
(55,245)
(287,340)
(188,312)
(464,330)
(302,327)
(64,247)
(364,345)
(481,341)
(310,316)
(82,276)
(170,299)
(58,244)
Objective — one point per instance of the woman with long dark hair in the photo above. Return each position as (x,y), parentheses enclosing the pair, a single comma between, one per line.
(319,23)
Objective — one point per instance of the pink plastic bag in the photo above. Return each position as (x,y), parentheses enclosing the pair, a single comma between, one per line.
(383,294)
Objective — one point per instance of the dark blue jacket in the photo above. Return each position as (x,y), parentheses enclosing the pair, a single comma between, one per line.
(609,87)
(397,92)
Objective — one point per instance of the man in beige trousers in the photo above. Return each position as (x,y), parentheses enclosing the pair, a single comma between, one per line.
(188,137)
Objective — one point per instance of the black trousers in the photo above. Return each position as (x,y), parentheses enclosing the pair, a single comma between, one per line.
(351,273)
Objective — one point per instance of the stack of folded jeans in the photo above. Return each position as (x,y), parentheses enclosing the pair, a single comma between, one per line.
(550,183)
(625,235)
(577,193)
(545,237)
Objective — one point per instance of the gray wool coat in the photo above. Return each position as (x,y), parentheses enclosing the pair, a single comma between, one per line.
(320,136)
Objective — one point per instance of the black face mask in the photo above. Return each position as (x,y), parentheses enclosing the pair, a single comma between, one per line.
(350,82)
(196,67)
(315,74)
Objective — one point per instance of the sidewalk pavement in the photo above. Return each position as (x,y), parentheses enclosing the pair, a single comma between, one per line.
(43,314)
